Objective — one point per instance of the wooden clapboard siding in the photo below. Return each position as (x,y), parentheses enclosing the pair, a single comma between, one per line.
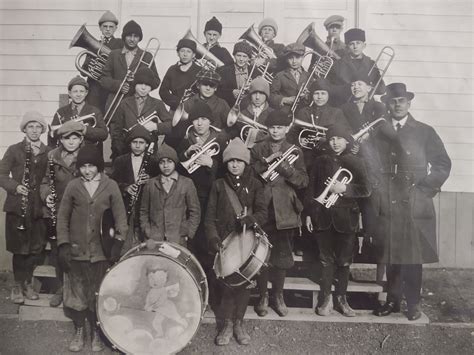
(433,42)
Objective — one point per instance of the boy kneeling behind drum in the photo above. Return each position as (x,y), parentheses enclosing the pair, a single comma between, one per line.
(237,191)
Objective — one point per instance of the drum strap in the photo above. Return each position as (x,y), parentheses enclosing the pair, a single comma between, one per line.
(234,199)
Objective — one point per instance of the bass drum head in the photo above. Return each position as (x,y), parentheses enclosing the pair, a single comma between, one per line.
(149,304)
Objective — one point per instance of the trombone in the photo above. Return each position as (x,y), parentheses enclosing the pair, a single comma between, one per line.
(388,52)
(129,77)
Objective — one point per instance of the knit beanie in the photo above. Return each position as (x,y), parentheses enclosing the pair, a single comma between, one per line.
(90,154)
(108,17)
(145,76)
(186,43)
(259,85)
(32,116)
(268,22)
(354,34)
(243,47)
(132,27)
(320,84)
(71,127)
(200,109)
(77,80)
(139,132)
(338,130)
(166,151)
(209,75)
(236,149)
(278,118)
(213,25)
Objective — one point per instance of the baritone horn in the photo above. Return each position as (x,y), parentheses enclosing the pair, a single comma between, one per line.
(388,53)
(310,135)
(211,148)
(93,48)
(329,199)
(291,155)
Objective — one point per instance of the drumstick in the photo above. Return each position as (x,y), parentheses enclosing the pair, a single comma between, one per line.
(242,237)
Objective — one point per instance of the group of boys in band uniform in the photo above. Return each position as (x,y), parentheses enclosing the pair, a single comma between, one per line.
(395,171)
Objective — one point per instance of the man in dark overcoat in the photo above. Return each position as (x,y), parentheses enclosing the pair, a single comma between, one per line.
(414,167)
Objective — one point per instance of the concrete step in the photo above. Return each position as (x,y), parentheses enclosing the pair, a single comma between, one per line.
(35,313)
(44,271)
(308,315)
(305,284)
(43,301)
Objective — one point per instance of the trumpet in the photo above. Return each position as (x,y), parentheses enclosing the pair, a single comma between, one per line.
(388,52)
(327,199)
(129,77)
(94,48)
(290,155)
(211,148)
(143,121)
(310,135)
(366,128)
(54,128)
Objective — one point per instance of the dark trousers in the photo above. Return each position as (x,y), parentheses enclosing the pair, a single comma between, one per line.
(234,302)
(404,280)
(54,262)
(24,265)
(275,275)
(335,255)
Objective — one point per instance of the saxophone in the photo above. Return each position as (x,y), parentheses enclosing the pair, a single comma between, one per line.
(54,194)
(141,179)
(25,182)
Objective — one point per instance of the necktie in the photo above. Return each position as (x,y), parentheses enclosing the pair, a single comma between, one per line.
(75,111)
(398,127)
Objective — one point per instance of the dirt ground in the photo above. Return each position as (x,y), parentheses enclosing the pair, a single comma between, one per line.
(448,300)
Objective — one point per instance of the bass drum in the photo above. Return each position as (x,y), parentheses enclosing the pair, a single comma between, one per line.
(152,301)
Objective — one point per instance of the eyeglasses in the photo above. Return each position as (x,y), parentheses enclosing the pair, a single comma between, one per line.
(209,83)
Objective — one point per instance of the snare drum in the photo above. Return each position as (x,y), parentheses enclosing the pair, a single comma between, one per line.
(242,256)
(153,300)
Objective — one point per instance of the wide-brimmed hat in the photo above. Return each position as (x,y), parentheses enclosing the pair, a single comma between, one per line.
(396,90)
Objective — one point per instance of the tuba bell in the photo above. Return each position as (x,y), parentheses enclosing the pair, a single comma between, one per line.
(94,48)
(310,39)
(257,43)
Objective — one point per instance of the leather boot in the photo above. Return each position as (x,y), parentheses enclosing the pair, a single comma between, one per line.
(261,308)
(17,295)
(77,343)
(223,338)
(57,298)
(343,307)
(242,337)
(279,305)
(97,344)
(29,292)
(325,307)
(414,311)
(388,308)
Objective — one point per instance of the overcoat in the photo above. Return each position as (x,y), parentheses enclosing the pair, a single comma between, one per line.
(175,82)
(228,83)
(285,85)
(414,167)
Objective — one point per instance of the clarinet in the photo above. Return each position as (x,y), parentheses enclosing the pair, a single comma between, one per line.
(54,195)
(140,179)
(25,182)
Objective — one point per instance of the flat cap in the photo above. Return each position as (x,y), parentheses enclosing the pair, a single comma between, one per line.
(333,20)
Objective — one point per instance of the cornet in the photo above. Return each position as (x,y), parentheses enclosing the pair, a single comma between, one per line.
(310,135)
(366,128)
(328,201)
(143,121)
(53,129)
(290,155)
(211,148)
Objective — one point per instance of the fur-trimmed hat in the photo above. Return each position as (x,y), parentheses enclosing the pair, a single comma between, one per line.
(320,84)
(333,20)
(338,130)
(278,118)
(259,85)
(71,127)
(361,77)
(90,154)
(354,34)
(186,43)
(243,47)
(396,90)
(268,22)
(77,80)
(213,25)
(236,149)
(108,16)
(145,76)
(200,109)
(296,48)
(166,151)
(139,132)
(32,116)
(209,75)
(132,27)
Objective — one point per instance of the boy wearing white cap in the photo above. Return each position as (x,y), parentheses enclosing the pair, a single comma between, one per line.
(21,171)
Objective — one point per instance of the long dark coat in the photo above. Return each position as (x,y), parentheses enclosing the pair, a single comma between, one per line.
(229,83)
(31,240)
(414,167)
(175,82)
(285,85)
